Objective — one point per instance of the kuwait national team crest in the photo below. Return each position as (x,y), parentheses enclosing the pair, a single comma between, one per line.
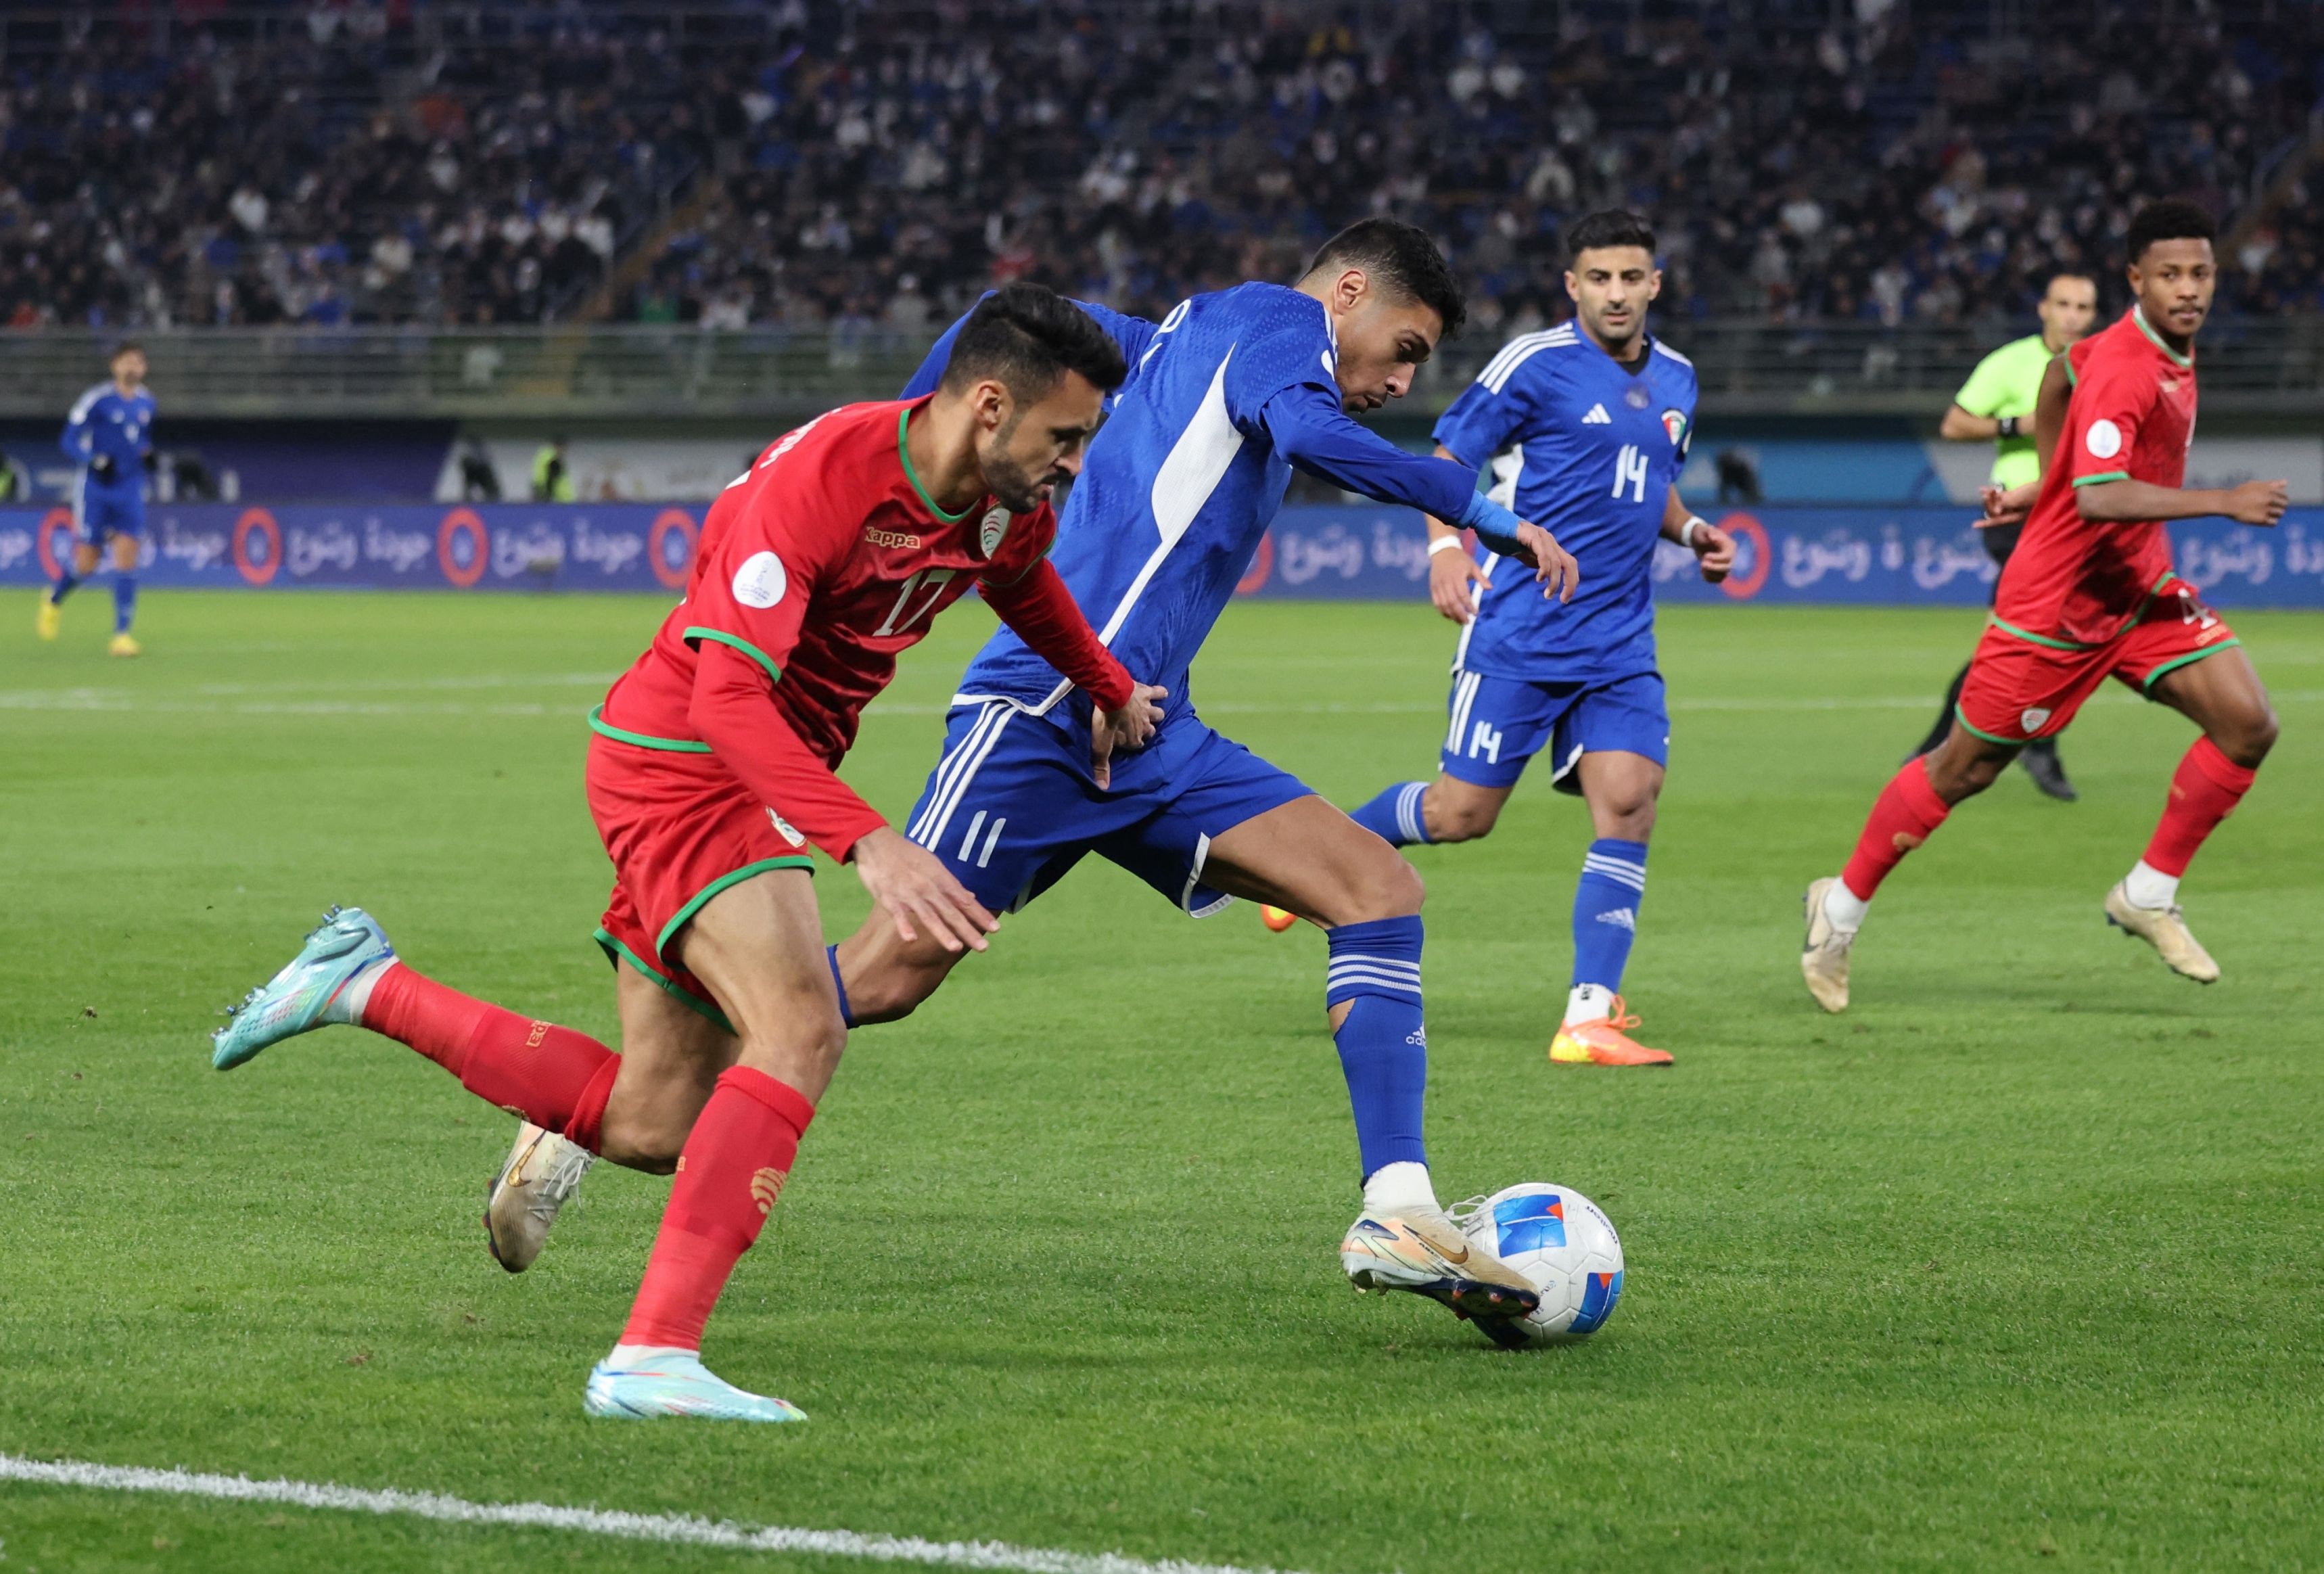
(994,526)
(1674,423)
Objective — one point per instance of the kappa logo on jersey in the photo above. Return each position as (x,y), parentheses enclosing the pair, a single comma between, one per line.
(1674,423)
(989,531)
(761,581)
(896,539)
(2032,718)
(786,830)
(2104,439)
(1597,417)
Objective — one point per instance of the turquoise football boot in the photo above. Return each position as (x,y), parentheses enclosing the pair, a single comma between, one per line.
(306,994)
(652,1383)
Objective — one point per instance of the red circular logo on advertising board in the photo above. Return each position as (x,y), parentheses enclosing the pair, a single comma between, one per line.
(671,570)
(1262,563)
(1753,556)
(257,546)
(57,522)
(462,563)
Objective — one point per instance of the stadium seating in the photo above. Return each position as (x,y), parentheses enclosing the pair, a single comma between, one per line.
(864,169)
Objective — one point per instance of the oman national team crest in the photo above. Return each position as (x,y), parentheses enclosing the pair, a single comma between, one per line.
(994,526)
(2032,718)
(1674,423)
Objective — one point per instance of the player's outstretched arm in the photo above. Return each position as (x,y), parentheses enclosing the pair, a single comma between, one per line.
(1456,584)
(1311,430)
(732,710)
(1044,615)
(2255,502)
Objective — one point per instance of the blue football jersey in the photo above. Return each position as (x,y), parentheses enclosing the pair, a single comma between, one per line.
(1178,487)
(1588,449)
(103,422)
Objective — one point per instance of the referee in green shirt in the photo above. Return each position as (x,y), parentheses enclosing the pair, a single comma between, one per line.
(1996,405)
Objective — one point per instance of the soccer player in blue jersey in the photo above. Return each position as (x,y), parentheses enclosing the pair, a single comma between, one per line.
(1586,427)
(1225,396)
(109,438)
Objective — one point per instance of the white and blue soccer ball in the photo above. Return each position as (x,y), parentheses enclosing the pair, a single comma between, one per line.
(1564,1245)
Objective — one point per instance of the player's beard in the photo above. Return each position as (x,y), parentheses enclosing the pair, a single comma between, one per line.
(1017,489)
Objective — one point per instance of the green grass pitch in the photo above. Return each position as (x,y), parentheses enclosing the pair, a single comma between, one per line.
(2020,1263)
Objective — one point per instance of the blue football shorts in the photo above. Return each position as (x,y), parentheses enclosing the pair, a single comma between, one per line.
(1498,724)
(102,512)
(1012,805)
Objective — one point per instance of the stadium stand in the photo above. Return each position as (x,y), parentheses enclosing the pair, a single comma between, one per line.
(862,169)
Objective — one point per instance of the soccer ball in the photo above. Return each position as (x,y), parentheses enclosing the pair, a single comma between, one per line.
(1563,1244)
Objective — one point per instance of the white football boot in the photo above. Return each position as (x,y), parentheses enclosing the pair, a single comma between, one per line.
(1823,960)
(543,1170)
(2165,929)
(1422,1250)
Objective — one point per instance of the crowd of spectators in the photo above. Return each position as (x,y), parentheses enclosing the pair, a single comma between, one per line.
(323,166)
(856,165)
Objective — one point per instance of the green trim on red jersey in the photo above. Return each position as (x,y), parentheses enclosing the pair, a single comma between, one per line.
(617,953)
(720,636)
(904,447)
(2033,639)
(2146,684)
(694,903)
(2108,476)
(598,724)
(2139,317)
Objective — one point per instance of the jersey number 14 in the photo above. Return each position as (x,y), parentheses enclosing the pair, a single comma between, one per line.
(1630,472)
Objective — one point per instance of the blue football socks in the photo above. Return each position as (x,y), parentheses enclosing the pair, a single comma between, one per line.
(1375,968)
(1395,816)
(1606,910)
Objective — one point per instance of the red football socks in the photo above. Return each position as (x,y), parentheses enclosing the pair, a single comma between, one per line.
(551,1075)
(734,1167)
(2204,790)
(1906,813)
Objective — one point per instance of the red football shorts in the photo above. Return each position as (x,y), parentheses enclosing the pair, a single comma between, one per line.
(679,829)
(2022,686)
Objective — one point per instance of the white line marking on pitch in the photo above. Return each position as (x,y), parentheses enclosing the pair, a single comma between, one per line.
(680,1530)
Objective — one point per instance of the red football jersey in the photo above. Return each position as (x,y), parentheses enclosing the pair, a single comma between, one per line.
(2131,417)
(824,563)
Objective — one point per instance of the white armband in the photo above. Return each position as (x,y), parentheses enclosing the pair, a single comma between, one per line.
(1686,530)
(1443,544)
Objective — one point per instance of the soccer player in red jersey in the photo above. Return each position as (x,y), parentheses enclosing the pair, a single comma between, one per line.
(2090,594)
(712,768)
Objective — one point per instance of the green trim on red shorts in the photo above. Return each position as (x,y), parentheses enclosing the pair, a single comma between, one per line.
(617,953)
(694,903)
(2107,475)
(2146,684)
(1988,736)
(605,729)
(739,643)
(2033,638)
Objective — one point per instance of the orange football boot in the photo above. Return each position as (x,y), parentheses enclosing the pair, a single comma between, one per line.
(1605,1042)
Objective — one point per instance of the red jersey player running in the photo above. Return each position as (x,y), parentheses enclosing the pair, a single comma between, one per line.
(2090,594)
(711,771)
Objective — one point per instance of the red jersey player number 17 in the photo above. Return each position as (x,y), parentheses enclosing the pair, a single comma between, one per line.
(819,566)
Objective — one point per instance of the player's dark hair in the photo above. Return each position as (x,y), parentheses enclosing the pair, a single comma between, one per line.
(2173,218)
(1028,337)
(126,347)
(1613,227)
(1403,261)
(2084,274)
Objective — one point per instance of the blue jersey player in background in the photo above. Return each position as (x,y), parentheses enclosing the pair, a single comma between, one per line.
(1586,427)
(109,438)
(1225,396)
